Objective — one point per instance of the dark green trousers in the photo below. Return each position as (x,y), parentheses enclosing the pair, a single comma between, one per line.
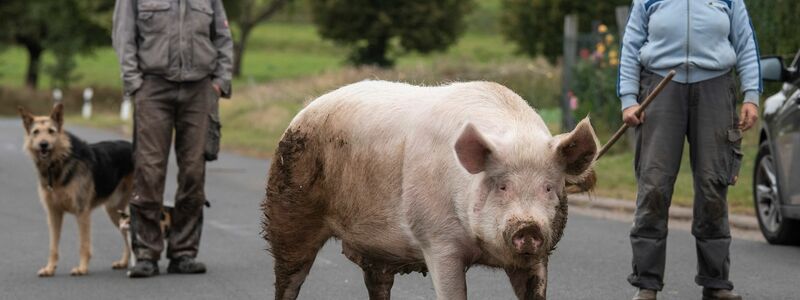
(704,113)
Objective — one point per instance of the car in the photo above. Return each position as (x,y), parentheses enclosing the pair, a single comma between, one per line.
(776,175)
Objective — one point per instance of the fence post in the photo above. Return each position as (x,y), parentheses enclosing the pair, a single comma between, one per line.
(570,53)
(622,13)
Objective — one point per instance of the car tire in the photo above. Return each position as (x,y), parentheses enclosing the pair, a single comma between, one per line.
(766,201)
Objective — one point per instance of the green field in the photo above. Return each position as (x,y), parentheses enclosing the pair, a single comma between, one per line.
(275,51)
(287,65)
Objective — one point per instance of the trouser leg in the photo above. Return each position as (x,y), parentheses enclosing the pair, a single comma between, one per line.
(153,123)
(714,139)
(191,126)
(659,146)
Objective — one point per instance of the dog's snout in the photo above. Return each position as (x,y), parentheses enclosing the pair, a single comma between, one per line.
(44,145)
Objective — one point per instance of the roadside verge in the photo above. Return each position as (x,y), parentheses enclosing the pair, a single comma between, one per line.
(737,221)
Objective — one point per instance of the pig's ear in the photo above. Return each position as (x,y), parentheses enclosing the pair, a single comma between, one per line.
(577,149)
(473,149)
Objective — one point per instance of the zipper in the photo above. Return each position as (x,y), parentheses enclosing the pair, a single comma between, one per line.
(688,33)
(181,42)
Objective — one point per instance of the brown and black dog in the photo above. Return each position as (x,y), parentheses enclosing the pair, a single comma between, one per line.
(75,177)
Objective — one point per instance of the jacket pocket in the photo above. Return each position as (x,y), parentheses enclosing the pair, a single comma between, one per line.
(735,154)
(152,20)
(201,17)
(152,16)
(204,53)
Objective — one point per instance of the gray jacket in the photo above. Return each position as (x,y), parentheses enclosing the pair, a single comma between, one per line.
(180,40)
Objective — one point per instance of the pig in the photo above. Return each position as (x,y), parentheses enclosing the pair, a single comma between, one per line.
(423,179)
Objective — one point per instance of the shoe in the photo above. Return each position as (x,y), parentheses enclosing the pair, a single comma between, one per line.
(645,294)
(185,265)
(143,269)
(720,294)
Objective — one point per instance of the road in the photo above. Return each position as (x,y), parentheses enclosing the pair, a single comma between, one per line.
(592,261)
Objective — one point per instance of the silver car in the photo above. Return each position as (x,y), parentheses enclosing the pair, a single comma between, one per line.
(776,176)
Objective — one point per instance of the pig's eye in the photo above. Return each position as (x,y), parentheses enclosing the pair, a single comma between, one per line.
(548,188)
(503,187)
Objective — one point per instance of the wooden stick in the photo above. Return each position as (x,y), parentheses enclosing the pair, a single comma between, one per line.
(638,113)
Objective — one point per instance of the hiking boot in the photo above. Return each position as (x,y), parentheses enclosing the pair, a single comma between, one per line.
(143,269)
(185,265)
(645,294)
(720,294)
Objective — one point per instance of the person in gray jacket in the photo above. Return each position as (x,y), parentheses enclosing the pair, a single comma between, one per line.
(176,61)
(704,41)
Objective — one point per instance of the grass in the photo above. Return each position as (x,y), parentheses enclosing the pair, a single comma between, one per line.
(275,51)
(99,68)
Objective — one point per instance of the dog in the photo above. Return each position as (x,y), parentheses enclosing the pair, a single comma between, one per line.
(76,177)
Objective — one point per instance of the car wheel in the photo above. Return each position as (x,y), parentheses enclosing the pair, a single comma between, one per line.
(776,228)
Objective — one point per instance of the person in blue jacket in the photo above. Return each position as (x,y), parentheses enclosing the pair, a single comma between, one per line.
(705,42)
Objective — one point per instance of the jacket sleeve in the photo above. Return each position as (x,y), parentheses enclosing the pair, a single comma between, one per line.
(123,37)
(224,43)
(748,64)
(632,40)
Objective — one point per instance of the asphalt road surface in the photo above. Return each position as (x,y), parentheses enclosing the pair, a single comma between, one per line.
(592,260)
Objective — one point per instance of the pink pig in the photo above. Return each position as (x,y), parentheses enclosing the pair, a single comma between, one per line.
(423,179)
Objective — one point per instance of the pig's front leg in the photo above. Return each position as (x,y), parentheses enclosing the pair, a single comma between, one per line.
(379,284)
(447,270)
(529,284)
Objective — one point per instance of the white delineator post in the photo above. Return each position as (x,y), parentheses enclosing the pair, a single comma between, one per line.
(125,109)
(57,96)
(87,103)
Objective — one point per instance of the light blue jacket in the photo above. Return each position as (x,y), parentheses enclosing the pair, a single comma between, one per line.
(700,39)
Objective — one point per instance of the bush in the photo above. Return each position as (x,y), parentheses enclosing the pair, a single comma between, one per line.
(594,85)
(376,29)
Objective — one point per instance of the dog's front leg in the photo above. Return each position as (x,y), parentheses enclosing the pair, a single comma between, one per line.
(85,236)
(54,221)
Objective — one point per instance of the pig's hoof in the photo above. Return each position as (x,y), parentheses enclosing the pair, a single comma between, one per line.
(47,271)
(78,271)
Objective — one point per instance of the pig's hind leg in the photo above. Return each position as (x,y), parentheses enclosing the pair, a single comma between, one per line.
(293,221)
(294,243)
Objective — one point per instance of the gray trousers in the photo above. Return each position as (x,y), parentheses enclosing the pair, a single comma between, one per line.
(161,108)
(704,113)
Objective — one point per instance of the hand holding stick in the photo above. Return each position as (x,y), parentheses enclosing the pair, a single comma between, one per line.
(638,113)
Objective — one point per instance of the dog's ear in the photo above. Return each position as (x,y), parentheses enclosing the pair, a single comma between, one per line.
(57,115)
(27,118)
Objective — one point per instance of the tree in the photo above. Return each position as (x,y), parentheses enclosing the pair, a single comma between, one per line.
(537,26)
(246,14)
(66,27)
(774,22)
(372,28)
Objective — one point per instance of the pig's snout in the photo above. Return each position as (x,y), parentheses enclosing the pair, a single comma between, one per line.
(527,240)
